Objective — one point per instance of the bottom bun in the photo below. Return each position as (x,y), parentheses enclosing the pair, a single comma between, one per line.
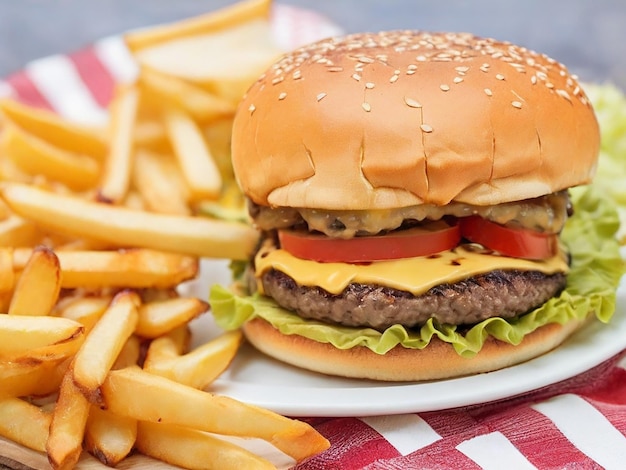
(438,360)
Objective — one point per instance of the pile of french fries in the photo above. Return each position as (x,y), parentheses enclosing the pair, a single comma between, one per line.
(98,230)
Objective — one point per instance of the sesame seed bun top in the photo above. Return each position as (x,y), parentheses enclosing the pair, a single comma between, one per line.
(376,121)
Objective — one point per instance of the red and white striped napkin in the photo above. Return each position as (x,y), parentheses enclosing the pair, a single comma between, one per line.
(576,424)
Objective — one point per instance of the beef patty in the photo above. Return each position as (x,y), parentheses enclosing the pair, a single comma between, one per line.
(498,293)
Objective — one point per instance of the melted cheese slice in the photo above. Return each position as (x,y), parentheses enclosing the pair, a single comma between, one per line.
(415,275)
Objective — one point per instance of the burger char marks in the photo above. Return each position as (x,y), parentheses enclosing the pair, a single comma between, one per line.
(544,214)
(503,294)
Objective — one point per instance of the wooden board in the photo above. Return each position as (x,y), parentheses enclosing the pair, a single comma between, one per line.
(16,457)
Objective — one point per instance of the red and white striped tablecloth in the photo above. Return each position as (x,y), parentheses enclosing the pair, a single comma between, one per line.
(576,424)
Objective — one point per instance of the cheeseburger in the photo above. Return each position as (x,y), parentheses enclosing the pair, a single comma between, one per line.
(410,189)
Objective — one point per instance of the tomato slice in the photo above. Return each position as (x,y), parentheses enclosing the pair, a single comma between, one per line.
(418,241)
(514,242)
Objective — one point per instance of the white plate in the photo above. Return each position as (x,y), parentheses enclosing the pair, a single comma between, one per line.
(257,379)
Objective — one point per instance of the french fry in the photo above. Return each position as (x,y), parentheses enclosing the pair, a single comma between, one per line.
(250,43)
(133,268)
(174,343)
(109,437)
(57,131)
(76,217)
(158,294)
(9,171)
(158,318)
(213,21)
(218,137)
(197,368)
(67,428)
(202,105)
(37,289)
(38,157)
(7,278)
(194,156)
(20,379)
(103,344)
(148,397)
(129,355)
(115,181)
(24,423)
(149,133)
(16,231)
(160,184)
(5,213)
(84,310)
(38,337)
(193,449)
(134,201)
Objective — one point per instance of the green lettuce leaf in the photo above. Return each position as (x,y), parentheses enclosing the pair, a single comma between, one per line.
(596,270)
(609,103)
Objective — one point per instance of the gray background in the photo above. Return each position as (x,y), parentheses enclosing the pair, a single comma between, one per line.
(589,36)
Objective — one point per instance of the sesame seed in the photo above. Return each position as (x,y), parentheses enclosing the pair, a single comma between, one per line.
(366,107)
(533,79)
(563,94)
(408,72)
(461,69)
(366,60)
(517,104)
(488,92)
(444,87)
(335,69)
(369,85)
(297,75)
(412,67)
(396,72)
(357,77)
(321,96)
(499,76)
(426,128)
(550,85)
(251,108)
(277,80)
(457,80)
(282,96)
(412,103)
(393,79)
